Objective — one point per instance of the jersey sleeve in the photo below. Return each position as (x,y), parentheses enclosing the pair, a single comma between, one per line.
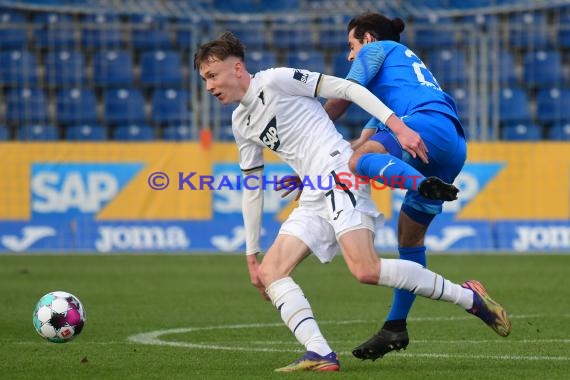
(250,154)
(296,82)
(367,63)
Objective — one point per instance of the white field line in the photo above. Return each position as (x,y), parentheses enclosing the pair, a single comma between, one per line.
(153,338)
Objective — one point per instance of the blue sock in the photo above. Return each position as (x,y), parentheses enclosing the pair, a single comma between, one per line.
(404,299)
(389,170)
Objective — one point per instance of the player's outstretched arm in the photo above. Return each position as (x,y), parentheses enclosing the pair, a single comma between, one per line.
(333,87)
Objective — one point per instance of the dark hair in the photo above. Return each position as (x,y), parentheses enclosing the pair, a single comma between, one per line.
(226,45)
(379,26)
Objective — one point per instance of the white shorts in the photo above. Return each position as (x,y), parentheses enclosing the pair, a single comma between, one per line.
(320,221)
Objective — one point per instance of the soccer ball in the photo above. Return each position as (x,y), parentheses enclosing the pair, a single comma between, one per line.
(59,317)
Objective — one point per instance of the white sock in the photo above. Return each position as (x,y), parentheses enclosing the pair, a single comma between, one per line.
(408,275)
(297,314)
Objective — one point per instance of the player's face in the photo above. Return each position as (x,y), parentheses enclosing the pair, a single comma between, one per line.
(222,79)
(354,45)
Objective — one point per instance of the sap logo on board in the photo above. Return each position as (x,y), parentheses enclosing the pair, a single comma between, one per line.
(136,238)
(78,188)
(541,238)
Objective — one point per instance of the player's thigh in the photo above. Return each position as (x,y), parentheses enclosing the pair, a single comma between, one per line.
(308,223)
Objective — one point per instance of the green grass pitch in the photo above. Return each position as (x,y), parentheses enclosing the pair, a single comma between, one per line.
(197,317)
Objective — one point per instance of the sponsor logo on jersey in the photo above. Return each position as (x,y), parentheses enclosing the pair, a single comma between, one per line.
(269,135)
(300,76)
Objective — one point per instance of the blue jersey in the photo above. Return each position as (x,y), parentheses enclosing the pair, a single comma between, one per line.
(393,73)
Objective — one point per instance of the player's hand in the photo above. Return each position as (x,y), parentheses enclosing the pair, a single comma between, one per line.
(253,268)
(290,183)
(410,140)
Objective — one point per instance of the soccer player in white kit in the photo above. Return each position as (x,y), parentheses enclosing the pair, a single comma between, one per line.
(278,110)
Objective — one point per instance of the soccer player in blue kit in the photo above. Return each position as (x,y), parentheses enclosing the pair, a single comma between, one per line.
(393,73)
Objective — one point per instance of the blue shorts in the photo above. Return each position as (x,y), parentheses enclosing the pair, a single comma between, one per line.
(447,151)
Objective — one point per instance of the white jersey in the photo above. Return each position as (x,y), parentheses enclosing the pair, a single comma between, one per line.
(280,111)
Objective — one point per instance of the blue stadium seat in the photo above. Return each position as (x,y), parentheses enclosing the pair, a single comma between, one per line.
(178,133)
(101,31)
(559,132)
(543,68)
(529,31)
(86,132)
(76,106)
(53,31)
(563,29)
(553,104)
(309,60)
(65,68)
(224,133)
(12,37)
(513,105)
(124,106)
(133,132)
(260,60)
(521,132)
(18,68)
(161,69)
(462,99)
(37,132)
(150,32)
(449,66)
(250,32)
(4,133)
(340,64)
(170,106)
(26,105)
(502,67)
(291,33)
(332,32)
(429,37)
(113,69)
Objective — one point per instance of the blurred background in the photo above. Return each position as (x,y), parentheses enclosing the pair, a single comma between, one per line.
(97,95)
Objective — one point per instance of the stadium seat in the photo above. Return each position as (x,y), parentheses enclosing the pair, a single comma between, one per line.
(513,105)
(4,133)
(521,132)
(37,132)
(553,104)
(102,31)
(332,32)
(76,106)
(113,69)
(124,106)
(161,69)
(250,32)
(170,105)
(133,132)
(543,68)
(149,32)
(224,112)
(559,132)
(433,32)
(291,33)
(309,60)
(224,133)
(86,132)
(260,60)
(462,100)
(177,133)
(65,68)
(53,31)
(529,31)
(340,64)
(449,66)
(12,37)
(563,30)
(501,68)
(26,105)
(18,68)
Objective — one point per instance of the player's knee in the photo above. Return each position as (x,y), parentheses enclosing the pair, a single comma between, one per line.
(353,162)
(365,275)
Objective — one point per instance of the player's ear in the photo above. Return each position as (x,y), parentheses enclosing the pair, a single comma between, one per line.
(239,68)
(368,38)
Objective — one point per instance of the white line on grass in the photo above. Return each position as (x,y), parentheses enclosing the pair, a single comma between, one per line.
(153,338)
